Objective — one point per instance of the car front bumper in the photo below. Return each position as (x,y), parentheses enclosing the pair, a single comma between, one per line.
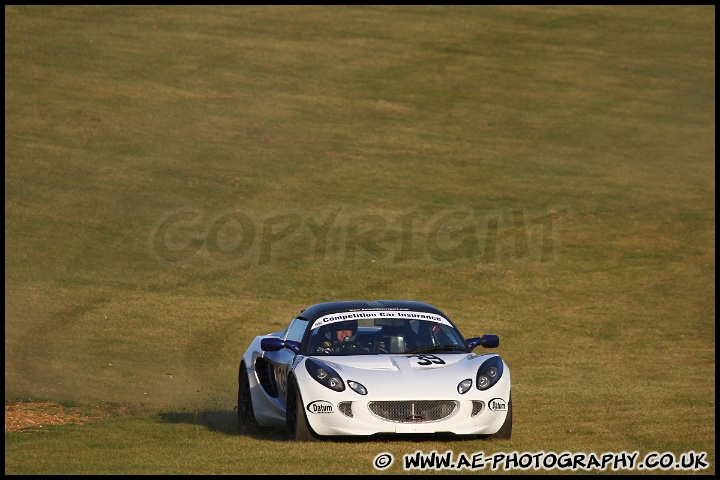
(349,414)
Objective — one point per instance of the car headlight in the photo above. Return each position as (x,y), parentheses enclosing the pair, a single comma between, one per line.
(324,375)
(464,386)
(358,387)
(489,373)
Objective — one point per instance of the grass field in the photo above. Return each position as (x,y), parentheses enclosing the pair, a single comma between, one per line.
(179,180)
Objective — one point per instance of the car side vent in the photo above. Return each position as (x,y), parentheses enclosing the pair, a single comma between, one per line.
(266,376)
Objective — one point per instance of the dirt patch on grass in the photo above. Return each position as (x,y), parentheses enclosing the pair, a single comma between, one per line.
(26,417)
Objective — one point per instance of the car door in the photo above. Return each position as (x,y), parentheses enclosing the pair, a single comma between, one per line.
(283,358)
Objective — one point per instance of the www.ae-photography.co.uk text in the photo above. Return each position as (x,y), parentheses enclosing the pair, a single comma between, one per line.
(342,236)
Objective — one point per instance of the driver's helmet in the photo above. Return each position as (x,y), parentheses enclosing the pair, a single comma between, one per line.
(346,325)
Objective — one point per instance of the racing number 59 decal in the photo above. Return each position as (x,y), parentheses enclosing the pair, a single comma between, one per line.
(428,359)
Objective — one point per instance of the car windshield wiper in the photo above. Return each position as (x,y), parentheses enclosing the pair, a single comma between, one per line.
(439,348)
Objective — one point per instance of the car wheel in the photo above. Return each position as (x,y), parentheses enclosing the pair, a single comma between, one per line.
(246,416)
(506,430)
(295,419)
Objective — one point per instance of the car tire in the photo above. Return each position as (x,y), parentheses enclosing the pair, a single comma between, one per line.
(246,416)
(506,430)
(297,426)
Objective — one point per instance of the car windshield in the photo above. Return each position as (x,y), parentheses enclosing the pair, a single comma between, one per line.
(383,335)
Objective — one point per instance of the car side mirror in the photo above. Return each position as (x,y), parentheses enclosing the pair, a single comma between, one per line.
(486,341)
(274,344)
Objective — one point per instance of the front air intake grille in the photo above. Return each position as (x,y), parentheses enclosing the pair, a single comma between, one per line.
(414,411)
(478,407)
(345,408)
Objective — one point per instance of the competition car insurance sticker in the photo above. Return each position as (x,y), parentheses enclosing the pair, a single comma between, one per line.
(410,315)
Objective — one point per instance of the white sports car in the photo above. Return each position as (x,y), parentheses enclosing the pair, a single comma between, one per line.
(353,368)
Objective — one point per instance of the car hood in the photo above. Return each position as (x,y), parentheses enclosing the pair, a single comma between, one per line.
(395,362)
(418,376)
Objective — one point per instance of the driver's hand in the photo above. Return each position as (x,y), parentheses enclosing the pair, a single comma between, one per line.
(354,346)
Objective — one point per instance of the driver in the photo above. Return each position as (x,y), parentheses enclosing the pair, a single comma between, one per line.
(340,333)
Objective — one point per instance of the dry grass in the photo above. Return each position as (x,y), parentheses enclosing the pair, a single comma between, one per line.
(117,117)
(32,416)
